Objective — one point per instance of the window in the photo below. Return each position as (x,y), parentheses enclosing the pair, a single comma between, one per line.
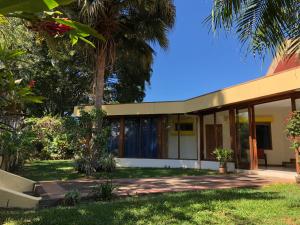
(184,126)
(264,136)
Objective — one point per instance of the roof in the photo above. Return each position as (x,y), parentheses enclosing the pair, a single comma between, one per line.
(284,81)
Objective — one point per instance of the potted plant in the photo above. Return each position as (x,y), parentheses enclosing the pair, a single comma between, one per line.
(293,134)
(223,155)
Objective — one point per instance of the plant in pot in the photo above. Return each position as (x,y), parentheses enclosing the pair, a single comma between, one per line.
(293,134)
(223,155)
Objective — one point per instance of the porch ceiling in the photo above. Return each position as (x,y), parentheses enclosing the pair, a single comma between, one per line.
(287,81)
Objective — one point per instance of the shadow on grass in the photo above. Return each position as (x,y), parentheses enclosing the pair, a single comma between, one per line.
(64,170)
(201,207)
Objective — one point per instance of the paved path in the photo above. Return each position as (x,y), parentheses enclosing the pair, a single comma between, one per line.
(53,192)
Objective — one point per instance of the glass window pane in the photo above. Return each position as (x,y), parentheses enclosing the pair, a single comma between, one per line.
(113,142)
(132,138)
(298,104)
(243,138)
(149,142)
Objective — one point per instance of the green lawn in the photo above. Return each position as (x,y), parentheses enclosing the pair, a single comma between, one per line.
(64,170)
(273,205)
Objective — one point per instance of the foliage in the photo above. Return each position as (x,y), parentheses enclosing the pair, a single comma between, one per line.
(293,129)
(72,197)
(223,155)
(270,205)
(51,141)
(89,136)
(14,94)
(107,162)
(104,191)
(15,148)
(40,17)
(59,72)
(127,81)
(262,24)
(130,25)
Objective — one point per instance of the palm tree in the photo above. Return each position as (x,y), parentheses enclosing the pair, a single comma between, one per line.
(261,24)
(124,24)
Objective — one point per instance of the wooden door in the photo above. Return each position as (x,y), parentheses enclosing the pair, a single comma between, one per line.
(214,139)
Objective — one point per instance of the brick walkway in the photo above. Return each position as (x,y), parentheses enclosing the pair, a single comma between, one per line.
(52,192)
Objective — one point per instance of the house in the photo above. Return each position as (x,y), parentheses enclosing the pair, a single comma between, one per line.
(248,118)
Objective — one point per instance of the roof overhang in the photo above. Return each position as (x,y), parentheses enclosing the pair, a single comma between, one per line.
(287,81)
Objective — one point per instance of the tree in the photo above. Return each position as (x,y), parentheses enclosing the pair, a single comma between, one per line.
(261,24)
(63,79)
(125,23)
(132,71)
(58,72)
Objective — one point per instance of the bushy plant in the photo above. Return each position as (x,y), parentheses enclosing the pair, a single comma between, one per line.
(72,197)
(107,163)
(104,191)
(223,155)
(293,130)
(51,141)
(89,135)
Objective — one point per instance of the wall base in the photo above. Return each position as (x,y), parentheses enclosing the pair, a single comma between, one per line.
(170,163)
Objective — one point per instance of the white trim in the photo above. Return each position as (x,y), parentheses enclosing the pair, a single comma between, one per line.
(157,163)
(170,163)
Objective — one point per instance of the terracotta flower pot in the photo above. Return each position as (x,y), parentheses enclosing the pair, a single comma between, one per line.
(297,178)
(222,169)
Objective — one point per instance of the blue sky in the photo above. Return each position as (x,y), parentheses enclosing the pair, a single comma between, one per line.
(197,61)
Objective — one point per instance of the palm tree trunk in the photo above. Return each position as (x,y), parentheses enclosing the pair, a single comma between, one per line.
(99,79)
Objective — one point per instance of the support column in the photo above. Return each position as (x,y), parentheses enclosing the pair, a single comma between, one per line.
(201,137)
(252,139)
(294,108)
(178,136)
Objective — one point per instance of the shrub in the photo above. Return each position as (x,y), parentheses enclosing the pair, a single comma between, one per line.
(107,163)
(51,140)
(223,155)
(72,197)
(89,135)
(293,129)
(104,191)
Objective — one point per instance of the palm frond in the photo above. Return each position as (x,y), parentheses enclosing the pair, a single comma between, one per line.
(263,25)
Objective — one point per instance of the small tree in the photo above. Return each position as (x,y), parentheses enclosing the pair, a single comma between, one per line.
(293,132)
(89,136)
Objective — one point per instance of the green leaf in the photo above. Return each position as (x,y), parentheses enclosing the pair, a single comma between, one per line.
(87,41)
(31,6)
(80,28)
(74,39)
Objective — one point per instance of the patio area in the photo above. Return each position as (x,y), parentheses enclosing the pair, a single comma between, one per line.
(53,192)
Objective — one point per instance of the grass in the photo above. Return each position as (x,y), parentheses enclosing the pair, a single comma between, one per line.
(64,170)
(273,205)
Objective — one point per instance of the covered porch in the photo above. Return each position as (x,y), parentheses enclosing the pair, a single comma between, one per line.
(254,130)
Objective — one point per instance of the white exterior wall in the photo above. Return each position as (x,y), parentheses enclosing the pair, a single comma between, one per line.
(157,163)
(188,143)
(171,163)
